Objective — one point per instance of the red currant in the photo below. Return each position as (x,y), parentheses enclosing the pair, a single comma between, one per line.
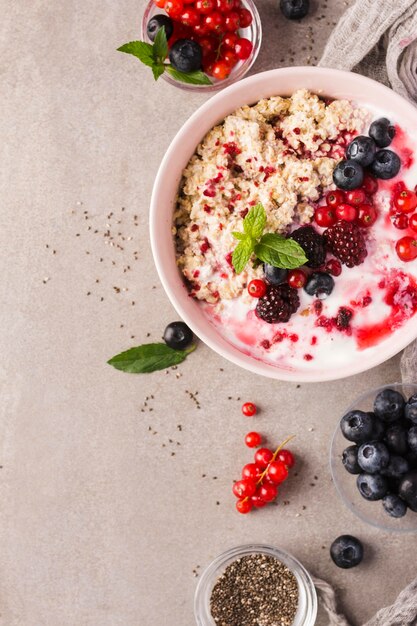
(263,456)
(286,457)
(346,212)
(334,198)
(412,222)
(231,22)
(214,22)
(277,472)
(253,440)
(230,57)
(251,470)
(325,216)
(190,17)
(355,197)
(221,70)
(205,6)
(243,48)
(296,279)
(230,40)
(257,501)
(244,506)
(406,249)
(249,409)
(208,45)
(245,18)
(244,488)
(268,492)
(400,221)
(370,184)
(174,8)
(201,30)
(224,6)
(367,215)
(333,267)
(406,201)
(257,288)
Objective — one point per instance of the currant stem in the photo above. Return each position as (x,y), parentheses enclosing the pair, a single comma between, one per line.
(277,451)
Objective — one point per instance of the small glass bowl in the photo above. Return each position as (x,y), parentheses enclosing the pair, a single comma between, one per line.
(370,512)
(253,33)
(307,601)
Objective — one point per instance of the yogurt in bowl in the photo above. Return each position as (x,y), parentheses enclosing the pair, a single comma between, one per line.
(280,148)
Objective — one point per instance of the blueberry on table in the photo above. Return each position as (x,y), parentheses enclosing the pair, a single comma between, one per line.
(396,468)
(348,175)
(372,486)
(362,150)
(320,285)
(178,335)
(350,460)
(412,439)
(357,426)
(408,489)
(410,409)
(389,405)
(346,551)
(394,505)
(275,275)
(386,164)
(382,132)
(373,457)
(396,437)
(294,9)
(155,24)
(186,55)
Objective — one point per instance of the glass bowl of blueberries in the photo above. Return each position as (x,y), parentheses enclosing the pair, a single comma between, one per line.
(373,457)
(211,43)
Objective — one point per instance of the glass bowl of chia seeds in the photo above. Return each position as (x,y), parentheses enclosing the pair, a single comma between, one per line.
(255,584)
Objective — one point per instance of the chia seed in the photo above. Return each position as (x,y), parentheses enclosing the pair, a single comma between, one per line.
(255,590)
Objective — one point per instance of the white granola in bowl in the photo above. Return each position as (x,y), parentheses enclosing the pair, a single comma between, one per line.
(281,152)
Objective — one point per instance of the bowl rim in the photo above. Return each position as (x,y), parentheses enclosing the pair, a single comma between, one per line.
(219,344)
(336,482)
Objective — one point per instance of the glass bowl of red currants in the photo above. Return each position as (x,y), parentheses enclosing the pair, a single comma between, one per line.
(373,457)
(229,33)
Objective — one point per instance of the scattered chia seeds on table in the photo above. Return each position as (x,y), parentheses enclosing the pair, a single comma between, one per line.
(255,590)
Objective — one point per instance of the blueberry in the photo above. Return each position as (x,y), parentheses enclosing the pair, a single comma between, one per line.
(389,405)
(294,9)
(382,132)
(396,468)
(394,505)
(408,489)
(348,175)
(362,150)
(357,426)
(372,486)
(319,284)
(156,23)
(186,55)
(350,460)
(396,437)
(346,551)
(178,335)
(373,457)
(412,439)
(275,275)
(379,428)
(412,459)
(410,410)
(386,164)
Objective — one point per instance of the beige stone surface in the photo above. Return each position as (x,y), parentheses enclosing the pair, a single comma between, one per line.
(104,516)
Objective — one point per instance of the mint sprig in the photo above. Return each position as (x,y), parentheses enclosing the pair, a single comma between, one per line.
(155,55)
(270,248)
(149,358)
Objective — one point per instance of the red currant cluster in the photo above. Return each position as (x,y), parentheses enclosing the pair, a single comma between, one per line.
(403,205)
(350,206)
(214,24)
(260,479)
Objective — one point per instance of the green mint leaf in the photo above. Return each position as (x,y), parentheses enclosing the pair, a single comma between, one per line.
(157,70)
(255,221)
(160,46)
(242,253)
(140,49)
(280,252)
(148,358)
(192,78)
(239,236)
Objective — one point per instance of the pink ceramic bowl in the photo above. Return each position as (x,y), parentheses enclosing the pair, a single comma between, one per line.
(283,82)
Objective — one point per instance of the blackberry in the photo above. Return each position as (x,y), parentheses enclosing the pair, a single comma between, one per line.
(278,304)
(312,243)
(347,243)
